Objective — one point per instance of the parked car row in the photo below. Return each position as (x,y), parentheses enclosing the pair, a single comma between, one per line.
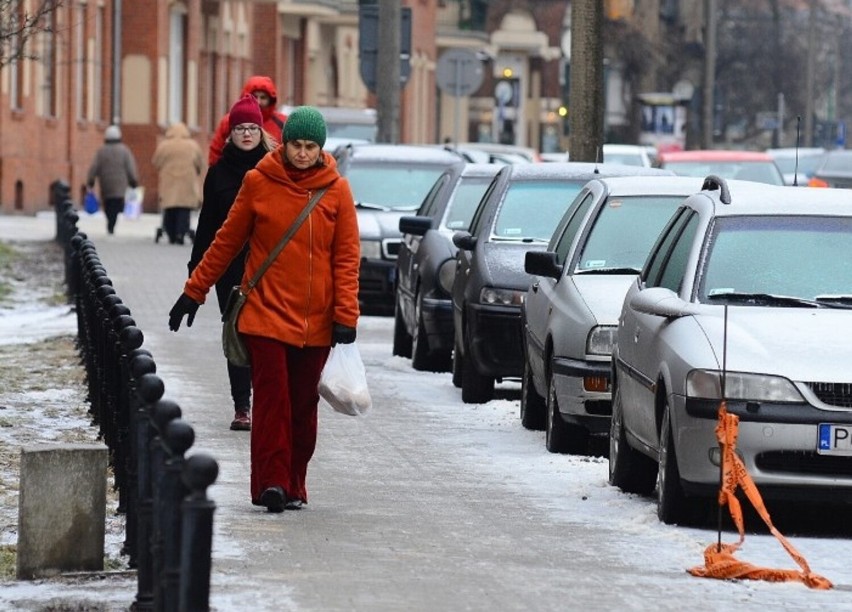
(630,303)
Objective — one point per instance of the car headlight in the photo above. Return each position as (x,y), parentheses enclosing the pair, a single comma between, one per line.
(601,340)
(501,297)
(371,249)
(707,384)
(446,275)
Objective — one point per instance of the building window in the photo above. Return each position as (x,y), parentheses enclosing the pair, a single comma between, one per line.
(98,66)
(80,71)
(49,63)
(16,65)
(177,62)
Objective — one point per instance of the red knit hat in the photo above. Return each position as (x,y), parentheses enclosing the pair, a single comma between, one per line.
(245,110)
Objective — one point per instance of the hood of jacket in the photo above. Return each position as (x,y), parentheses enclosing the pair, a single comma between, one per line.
(263,83)
(178,130)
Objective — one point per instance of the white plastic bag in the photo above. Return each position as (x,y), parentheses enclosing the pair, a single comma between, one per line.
(133,197)
(343,383)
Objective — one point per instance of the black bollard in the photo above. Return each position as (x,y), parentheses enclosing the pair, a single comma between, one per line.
(133,401)
(199,472)
(60,191)
(179,437)
(130,339)
(161,414)
(150,390)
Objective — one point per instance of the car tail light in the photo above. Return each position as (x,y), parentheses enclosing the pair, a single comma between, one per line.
(816,182)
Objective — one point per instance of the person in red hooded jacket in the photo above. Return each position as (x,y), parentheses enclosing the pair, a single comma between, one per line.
(263,89)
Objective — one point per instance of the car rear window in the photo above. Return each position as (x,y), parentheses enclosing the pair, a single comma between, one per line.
(464,201)
(531,210)
(625,230)
(761,172)
(392,186)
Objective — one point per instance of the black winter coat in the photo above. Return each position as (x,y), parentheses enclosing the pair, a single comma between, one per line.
(221,185)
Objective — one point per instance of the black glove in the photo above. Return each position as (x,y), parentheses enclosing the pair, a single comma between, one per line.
(341,334)
(184,307)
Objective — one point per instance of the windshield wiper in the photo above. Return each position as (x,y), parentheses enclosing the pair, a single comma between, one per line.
(369,206)
(518,239)
(835,301)
(613,270)
(765,299)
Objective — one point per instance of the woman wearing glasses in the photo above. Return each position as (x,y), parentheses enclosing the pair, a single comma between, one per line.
(246,144)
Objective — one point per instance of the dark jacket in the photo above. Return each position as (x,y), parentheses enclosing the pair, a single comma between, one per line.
(221,185)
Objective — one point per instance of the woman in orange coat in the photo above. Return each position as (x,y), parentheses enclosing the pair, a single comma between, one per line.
(306,302)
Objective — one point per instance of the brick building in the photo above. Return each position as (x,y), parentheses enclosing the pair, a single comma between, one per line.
(147,63)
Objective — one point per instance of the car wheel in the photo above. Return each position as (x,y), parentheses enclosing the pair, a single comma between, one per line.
(401,339)
(562,437)
(476,388)
(629,470)
(421,357)
(533,405)
(671,501)
(457,365)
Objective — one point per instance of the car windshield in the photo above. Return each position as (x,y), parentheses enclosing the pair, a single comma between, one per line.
(531,209)
(804,257)
(392,186)
(463,202)
(624,232)
(761,172)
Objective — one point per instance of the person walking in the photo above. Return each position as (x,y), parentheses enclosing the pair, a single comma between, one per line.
(263,89)
(115,170)
(245,147)
(306,302)
(179,162)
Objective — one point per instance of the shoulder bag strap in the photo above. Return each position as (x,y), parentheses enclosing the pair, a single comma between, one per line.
(286,238)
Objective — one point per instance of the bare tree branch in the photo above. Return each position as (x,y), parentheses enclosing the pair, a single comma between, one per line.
(19,24)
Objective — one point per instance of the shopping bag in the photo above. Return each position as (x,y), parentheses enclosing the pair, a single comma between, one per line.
(343,383)
(90,203)
(133,197)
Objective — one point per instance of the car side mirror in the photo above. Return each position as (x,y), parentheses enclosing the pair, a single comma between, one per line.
(464,241)
(542,263)
(415,225)
(661,302)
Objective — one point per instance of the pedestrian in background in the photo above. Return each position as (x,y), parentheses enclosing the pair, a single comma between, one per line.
(306,302)
(246,145)
(115,170)
(179,162)
(263,89)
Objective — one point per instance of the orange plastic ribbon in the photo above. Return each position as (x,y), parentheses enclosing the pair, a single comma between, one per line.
(719,561)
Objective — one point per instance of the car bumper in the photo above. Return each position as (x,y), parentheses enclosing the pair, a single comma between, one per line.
(437,317)
(578,403)
(376,282)
(495,340)
(778,451)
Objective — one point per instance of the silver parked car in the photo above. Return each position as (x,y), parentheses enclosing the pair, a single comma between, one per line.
(746,297)
(570,312)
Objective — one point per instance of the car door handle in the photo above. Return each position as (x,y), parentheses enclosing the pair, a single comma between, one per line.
(535,287)
(636,336)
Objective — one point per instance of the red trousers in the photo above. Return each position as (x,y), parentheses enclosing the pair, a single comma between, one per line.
(284,413)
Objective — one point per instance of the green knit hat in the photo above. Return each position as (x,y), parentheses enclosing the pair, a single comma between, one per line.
(305,123)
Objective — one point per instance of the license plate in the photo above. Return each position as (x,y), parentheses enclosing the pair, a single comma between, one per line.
(834,439)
